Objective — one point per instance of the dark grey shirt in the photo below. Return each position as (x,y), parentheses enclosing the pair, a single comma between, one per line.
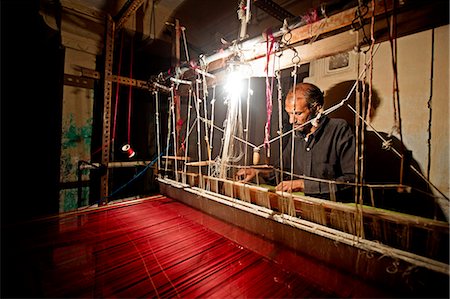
(328,153)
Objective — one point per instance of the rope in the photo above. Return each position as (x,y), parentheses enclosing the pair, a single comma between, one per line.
(186,140)
(130,91)
(157,129)
(197,111)
(166,166)
(213,100)
(294,98)
(358,171)
(280,118)
(174,132)
(269,89)
(326,112)
(429,105)
(183,29)
(247,120)
(395,90)
(386,142)
(117,89)
(372,39)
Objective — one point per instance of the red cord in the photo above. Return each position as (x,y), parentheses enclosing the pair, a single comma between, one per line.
(269,86)
(130,92)
(117,89)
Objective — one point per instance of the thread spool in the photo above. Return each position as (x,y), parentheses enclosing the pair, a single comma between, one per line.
(127,149)
(256,156)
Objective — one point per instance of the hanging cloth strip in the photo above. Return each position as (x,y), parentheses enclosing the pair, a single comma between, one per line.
(270,41)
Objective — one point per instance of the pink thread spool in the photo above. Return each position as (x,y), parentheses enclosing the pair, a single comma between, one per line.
(127,149)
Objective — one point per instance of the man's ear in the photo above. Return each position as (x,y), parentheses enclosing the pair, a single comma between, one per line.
(316,108)
(317,116)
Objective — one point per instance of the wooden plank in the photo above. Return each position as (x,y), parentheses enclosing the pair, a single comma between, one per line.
(199,163)
(179,158)
(335,35)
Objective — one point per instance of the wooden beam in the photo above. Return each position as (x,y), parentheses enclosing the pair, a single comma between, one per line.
(332,35)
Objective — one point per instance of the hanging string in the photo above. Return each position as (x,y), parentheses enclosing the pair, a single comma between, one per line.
(395,89)
(247,120)
(202,77)
(294,99)
(183,29)
(116,105)
(178,119)
(429,105)
(157,131)
(280,118)
(169,132)
(211,132)
(372,43)
(232,151)
(199,147)
(186,139)
(174,132)
(130,91)
(270,41)
(358,174)
(390,25)
(326,112)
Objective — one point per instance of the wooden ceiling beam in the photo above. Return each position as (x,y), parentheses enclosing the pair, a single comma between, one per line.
(412,16)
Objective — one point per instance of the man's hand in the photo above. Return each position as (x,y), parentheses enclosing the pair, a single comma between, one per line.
(291,186)
(244,175)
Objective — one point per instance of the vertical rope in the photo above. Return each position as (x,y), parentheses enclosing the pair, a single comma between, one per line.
(188,123)
(430,106)
(116,105)
(130,91)
(205,112)
(157,131)
(357,148)
(199,147)
(211,132)
(169,129)
(280,121)
(174,133)
(185,43)
(392,24)
(247,119)
(294,74)
(372,43)
(269,88)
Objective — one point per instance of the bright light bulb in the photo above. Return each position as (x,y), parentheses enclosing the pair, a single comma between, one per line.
(235,80)
(234,84)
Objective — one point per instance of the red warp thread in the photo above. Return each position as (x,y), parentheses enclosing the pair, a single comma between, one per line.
(270,41)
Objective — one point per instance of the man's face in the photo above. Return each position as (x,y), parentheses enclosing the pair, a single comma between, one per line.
(301,113)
